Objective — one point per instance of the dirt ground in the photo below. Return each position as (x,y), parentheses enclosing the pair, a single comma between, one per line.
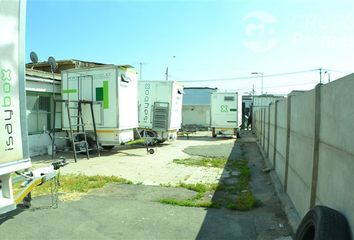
(132,211)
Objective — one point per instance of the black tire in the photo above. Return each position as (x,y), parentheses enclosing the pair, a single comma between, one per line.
(323,223)
(151,151)
(110,147)
(161,141)
(237,133)
(213,133)
(148,133)
(27,200)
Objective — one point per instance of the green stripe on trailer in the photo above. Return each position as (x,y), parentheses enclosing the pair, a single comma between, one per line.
(233,110)
(105,95)
(70,91)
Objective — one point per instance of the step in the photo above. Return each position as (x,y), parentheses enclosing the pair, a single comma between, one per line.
(81,151)
(77,125)
(78,133)
(62,137)
(79,142)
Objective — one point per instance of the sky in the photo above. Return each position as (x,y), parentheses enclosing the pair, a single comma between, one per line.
(203,43)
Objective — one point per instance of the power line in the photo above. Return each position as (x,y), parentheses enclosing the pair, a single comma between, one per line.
(277,86)
(249,77)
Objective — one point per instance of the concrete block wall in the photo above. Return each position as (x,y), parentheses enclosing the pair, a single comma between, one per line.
(301,150)
(271,133)
(308,139)
(281,140)
(336,147)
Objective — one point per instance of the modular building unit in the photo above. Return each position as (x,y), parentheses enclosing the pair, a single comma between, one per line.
(196,107)
(262,101)
(226,113)
(160,108)
(113,89)
(13,130)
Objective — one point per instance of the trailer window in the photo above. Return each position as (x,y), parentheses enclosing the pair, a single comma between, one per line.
(39,115)
(229,98)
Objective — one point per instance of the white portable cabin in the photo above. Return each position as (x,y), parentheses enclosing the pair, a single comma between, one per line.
(13,131)
(160,108)
(196,107)
(226,113)
(113,89)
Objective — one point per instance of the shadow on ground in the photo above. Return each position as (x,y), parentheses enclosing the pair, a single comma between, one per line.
(266,220)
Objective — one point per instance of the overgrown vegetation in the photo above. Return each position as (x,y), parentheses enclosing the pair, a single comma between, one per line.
(73,184)
(217,162)
(236,196)
(198,200)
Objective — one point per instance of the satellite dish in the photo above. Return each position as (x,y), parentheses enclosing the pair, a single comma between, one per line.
(53,64)
(34,57)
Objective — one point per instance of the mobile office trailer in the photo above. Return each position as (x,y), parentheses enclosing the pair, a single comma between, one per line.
(196,108)
(113,91)
(13,131)
(226,113)
(160,108)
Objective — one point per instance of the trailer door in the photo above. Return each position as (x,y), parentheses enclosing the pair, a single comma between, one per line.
(224,110)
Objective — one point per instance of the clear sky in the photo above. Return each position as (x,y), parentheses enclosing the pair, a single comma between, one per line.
(209,39)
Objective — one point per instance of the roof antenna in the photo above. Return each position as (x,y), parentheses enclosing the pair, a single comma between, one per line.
(34,59)
(53,66)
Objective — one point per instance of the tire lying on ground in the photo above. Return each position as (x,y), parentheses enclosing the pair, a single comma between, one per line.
(323,223)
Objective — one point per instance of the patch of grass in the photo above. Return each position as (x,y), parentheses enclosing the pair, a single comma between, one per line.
(244,177)
(76,184)
(201,189)
(138,141)
(186,203)
(244,202)
(216,162)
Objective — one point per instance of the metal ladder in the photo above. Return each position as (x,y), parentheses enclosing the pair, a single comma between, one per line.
(76,129)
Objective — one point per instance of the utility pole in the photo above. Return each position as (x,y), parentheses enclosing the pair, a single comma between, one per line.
(166,73)
(141,70)
(252,94)
(259,73)
(320,75)
(168,64)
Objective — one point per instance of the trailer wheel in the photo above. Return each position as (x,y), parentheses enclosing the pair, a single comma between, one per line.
(323,223)
(237,133)
(109,147)
(213,133)
(27,200)
(151,151)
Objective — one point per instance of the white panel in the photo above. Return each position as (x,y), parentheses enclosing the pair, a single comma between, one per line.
(11,73)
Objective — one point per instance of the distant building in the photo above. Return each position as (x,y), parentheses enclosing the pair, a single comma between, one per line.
(196,107)
(264,100)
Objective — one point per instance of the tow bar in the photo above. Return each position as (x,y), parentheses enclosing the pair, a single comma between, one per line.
(38,177)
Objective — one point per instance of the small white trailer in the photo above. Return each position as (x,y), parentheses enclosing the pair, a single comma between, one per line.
(226,113)
(113,91)
(160,109)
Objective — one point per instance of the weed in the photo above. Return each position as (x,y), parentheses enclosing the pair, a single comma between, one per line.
(77,184)
(215,162)
(186,203)
(244,201)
